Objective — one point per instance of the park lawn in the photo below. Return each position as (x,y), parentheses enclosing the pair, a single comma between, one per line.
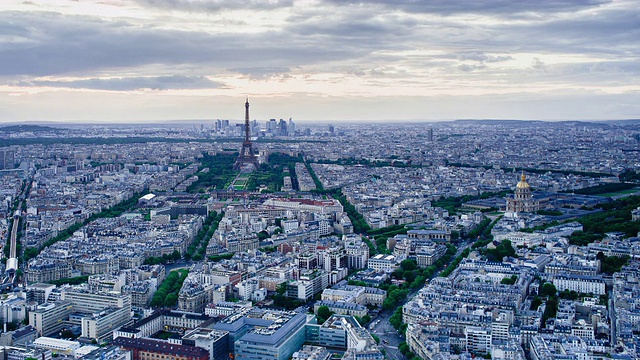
(621,192)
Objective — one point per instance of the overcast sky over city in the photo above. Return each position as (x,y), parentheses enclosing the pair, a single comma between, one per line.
(145,60)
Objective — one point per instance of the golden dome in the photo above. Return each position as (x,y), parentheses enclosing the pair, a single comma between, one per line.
(523,184)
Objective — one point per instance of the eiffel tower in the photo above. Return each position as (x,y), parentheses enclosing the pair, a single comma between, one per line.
(247,159)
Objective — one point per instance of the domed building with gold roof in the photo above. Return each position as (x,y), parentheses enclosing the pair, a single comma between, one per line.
(522,200)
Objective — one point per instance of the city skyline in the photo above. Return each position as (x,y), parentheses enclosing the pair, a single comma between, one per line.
(449,241)
(155,60)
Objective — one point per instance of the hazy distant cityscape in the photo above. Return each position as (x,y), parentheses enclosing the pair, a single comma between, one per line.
(284,240)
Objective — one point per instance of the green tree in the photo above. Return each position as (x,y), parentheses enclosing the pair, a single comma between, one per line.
(404,348)
(171,300)
(409,276)
(363,320)
(418,282)
(216,258)
(262,235)
(220,172)
(396,318)
(398,274)
(175,255)
(535,304)
(582,238)
(394,298)
(170,286)
(73,281)
(282,288)
(357,283)
(612,264)
(568,294)
(548,289)
(550,310)
(503,249)
(408,265)
(158,298)
(323,314)
(30,253)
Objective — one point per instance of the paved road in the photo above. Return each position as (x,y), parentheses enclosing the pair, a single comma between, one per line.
(612,319)
(180,264)
(462,246)
(389,337)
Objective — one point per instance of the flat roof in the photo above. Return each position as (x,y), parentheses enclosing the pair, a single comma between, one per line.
(85,350)
(161,347)
(148,197)
(40,286)
(47,341)
(275,333)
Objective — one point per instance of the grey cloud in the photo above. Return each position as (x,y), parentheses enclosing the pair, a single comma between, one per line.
(609,32)
(612,31)
(362,29)
(263,72)
(493,59)
(348,27)
(447,7)
(470,68)
(603,73)
(214,5)
(473,56)
(536,63)
(482,57)
(355,72)
(132,83)
(355,22)
(49,43)
(314,39)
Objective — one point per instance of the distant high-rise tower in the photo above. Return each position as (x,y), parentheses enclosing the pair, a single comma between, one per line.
(282,125)
(292,127)
(7,159)
(247,157)
(430,134)
(255,128)
(272,126)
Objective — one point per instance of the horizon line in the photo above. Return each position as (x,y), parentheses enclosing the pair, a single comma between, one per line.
(186,121)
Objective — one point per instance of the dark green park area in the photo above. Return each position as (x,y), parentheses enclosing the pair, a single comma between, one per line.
(167,293)
(272,174)
(216,172)
(615,217)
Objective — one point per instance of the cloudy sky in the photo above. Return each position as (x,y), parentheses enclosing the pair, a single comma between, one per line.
(146,60)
